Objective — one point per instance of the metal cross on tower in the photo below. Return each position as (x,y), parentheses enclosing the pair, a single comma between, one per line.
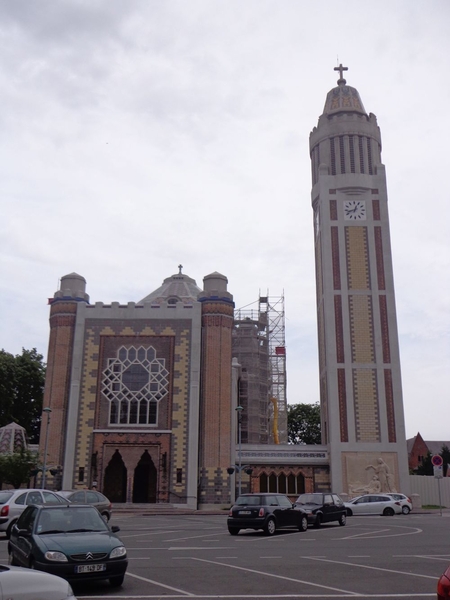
(341,69)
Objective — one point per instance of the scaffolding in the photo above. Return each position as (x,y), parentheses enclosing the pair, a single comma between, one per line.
(273,307)
(259,345)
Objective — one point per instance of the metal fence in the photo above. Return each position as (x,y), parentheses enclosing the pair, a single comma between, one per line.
(427,487)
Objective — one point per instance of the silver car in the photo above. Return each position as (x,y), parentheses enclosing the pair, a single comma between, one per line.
(27,584)
(97,499)
(373,504)
(14,502)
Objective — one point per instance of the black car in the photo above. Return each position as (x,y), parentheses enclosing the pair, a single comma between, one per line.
(71,541)
(265,511)
(323,508)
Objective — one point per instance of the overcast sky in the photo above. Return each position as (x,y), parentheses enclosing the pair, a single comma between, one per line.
(137,135)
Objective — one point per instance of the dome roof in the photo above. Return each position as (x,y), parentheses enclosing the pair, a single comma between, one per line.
(343,98)
(176,287)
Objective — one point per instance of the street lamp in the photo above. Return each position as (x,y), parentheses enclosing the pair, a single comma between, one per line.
(239,467)
(44,469)
(239,410)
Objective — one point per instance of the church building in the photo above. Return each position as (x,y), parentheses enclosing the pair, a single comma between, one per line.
(163,400)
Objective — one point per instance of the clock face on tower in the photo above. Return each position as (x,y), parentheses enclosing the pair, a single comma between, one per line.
(354,210)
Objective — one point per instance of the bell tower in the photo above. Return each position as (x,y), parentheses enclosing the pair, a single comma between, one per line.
(360,380)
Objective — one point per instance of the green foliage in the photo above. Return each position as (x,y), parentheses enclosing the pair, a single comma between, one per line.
(21,390)
(426,466)
(15,468)
(445,453)
(304,424)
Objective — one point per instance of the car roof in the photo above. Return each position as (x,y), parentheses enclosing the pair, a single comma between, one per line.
(263,494)
(65,506)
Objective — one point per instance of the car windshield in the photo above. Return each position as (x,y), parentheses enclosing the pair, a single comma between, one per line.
(249,501)
(309,499)
(71,520)
(4,497)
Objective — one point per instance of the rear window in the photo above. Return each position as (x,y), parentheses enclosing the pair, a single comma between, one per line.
(250,501)
(310,499)
(4,497)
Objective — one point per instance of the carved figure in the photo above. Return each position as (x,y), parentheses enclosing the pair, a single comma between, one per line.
(384,475)
(373,487)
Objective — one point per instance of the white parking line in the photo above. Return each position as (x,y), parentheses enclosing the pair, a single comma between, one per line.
(340,562)
(317,585)
(376,535)
(167,587)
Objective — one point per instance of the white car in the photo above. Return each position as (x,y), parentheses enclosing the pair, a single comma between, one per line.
(406,503)
(14,502)
(373,504)
(28,584)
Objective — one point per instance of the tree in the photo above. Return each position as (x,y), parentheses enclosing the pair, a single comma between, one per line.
(304,424)
(426,466)
(445,453)
(22,380)
(15,468)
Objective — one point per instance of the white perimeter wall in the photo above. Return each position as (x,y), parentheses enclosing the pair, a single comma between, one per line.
(427,487)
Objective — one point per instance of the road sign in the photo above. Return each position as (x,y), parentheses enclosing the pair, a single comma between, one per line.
(437,472)
(436,460)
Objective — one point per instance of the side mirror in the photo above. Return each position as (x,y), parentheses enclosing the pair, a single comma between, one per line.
(115,528)
(22,532)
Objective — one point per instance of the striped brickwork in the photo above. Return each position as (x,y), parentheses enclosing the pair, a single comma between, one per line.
(215,406)
(57,379)
(365,395)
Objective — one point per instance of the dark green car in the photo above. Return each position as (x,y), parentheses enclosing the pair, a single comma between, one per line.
(71,541)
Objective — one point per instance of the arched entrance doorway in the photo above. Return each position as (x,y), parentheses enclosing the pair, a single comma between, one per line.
(145,480)
(115,480)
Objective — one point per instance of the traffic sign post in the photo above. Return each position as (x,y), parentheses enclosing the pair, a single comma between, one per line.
(437,461)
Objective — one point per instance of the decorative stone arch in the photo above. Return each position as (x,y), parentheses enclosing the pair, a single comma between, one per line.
(115,479)
(283,480)
(145,481)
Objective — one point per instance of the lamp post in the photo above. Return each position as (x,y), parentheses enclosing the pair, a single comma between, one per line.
(44,468)
(239,410)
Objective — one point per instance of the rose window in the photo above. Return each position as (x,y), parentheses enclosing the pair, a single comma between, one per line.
(134,383)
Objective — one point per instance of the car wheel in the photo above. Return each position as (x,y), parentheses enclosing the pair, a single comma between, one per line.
(405,510)
(318,521)
(303,524)
(270,527)
(343,519)
(105,517)
(233,530)
(8,531)
(116,581)
(388,512)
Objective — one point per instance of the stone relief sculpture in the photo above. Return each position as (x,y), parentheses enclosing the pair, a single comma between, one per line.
(373,487)
(384,476)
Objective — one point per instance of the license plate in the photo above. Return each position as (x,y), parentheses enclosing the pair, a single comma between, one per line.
(245,512)
(89,568)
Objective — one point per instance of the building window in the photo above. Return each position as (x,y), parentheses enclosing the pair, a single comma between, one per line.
(80,474)
(179,475)
(282,484)
(134,383)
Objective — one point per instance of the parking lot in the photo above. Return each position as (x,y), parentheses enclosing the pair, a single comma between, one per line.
(195,557)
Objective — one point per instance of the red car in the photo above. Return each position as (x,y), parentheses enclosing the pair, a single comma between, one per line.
(443,587)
